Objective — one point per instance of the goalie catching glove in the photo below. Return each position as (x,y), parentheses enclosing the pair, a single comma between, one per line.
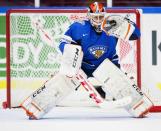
(118,26)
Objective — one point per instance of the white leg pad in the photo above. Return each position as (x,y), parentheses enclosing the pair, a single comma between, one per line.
(47,96)
(120,86)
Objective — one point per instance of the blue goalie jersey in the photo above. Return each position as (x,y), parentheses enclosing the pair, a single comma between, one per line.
(96,46)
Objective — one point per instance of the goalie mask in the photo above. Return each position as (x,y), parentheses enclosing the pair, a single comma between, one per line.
(96,14)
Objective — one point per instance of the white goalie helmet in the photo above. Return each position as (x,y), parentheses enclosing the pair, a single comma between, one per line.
(96,15)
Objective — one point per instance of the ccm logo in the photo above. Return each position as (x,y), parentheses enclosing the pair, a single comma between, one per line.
(75,58)
(38,91)
(137,89)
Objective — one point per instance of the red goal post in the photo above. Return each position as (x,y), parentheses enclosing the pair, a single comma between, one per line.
(29,50)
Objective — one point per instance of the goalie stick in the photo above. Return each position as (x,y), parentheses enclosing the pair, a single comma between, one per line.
(96,96)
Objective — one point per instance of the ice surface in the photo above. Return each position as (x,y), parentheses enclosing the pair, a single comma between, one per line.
(78,119)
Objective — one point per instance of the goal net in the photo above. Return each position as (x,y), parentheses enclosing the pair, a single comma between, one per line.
(32,50)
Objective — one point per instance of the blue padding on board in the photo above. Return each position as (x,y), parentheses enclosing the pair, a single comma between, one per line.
(150,10)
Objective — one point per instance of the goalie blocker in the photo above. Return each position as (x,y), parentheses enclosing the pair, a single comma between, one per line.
(119,86)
